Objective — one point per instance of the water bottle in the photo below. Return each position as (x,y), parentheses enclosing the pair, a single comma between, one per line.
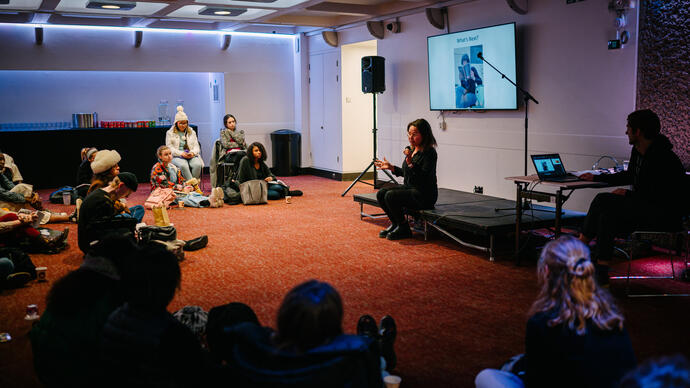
(163,115)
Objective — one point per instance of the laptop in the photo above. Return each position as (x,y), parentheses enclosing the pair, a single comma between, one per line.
(550,168)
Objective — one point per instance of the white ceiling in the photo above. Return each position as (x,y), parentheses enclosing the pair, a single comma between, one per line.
(283,16)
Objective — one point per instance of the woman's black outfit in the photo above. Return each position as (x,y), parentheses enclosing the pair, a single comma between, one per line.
(84,175)
(419,191)
(559,357)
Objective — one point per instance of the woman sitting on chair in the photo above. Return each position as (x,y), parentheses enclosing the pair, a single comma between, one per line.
(232,141)
(419,190)
(183,144)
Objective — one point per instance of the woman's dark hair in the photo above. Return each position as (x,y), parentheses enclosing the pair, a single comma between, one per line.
(311,315)
(250,152)
(646,121)
(428,139)
(465,57)
(226,117)
(152,279)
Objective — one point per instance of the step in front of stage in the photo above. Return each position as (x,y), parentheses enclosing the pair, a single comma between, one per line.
(459,213)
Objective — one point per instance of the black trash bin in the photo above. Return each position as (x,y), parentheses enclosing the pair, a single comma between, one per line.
(287,152)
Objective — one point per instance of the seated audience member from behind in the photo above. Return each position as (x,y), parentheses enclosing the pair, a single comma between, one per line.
(663,372)
(657,196)
(308,349)
(142,344)
(66,340)
(419,189)
(182,141)
(85,173)
(575,334)
(232,140)
(103,205)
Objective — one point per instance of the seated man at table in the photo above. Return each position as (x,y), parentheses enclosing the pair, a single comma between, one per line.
(654,202)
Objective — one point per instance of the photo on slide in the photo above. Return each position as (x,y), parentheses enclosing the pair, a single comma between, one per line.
(469,72)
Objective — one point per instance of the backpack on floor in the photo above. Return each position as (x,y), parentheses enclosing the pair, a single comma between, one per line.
(22,262)
(56,196)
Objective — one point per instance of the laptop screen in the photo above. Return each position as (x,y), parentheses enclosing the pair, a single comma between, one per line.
(548,165)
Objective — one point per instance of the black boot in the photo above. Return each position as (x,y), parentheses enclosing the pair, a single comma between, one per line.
(388,330)
(195,244)
(401,232)
(389,229)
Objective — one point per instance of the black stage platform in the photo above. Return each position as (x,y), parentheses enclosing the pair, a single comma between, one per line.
(458,211)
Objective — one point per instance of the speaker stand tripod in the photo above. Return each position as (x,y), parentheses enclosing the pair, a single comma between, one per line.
(373,160)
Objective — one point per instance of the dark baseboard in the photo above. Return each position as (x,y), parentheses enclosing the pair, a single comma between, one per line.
(338,176)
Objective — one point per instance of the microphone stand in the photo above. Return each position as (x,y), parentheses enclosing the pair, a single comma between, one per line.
(526,98)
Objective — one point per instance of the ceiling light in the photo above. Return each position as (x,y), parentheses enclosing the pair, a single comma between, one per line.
(110,4)
(222,11)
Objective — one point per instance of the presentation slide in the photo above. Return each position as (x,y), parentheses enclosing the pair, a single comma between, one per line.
(459,79)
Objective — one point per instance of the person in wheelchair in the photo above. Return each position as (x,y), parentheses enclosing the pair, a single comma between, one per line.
(233,145)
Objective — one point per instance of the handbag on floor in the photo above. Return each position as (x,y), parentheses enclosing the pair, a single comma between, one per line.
(151,232)
(160,197)
(254,192)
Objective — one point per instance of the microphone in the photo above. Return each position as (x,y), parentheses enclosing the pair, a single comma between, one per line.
(480,56)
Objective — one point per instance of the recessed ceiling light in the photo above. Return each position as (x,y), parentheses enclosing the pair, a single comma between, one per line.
(111,4)
(222,11)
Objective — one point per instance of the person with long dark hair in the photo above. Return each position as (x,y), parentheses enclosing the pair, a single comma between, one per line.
(253,166)
(233,145)
(576,335)
(419,189)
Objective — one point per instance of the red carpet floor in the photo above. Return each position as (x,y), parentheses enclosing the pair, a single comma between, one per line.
(457,313)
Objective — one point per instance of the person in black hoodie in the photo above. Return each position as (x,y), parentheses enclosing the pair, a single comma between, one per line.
(419,190)
(142,344)
(655,200)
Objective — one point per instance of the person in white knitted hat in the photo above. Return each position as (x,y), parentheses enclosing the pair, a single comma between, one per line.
(105,167)
(183,143)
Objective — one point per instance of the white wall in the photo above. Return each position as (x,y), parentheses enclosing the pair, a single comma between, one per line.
(585,93)
(257,71)
(357,112)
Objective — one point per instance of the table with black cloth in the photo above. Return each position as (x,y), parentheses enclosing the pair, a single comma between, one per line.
(50,158)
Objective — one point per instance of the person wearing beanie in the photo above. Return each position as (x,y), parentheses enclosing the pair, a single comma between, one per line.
(102,206)
(85,173)
(183,143)
(105,167)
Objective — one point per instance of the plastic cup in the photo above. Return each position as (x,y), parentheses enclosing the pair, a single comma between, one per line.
(66,198)
(392,381)
(288,199)
(41,273)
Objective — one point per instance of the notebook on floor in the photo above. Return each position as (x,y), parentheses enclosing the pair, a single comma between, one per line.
(550,168)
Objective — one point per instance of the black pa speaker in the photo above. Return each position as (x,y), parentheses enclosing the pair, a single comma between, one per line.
(373,75)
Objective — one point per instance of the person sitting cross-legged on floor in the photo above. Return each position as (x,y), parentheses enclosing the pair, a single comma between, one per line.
(102,206)
(142,344)
(575,334)
(66,340)
(308,348)
(253,166)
